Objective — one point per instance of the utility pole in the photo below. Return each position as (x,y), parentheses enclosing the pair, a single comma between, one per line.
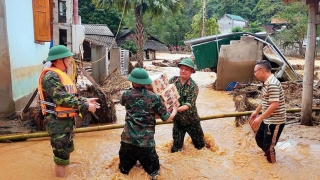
(203,32)
(307,92)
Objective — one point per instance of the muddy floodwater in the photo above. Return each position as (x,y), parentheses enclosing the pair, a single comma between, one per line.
(233,153)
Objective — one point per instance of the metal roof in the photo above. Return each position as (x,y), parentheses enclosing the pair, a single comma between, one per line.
(235,17)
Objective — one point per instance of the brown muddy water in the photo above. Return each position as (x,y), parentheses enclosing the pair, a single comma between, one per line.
(233,153)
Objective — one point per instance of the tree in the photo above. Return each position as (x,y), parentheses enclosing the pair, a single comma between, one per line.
(90,15)
(295,15)
(237,29)
(156,8)
(265,10)
(254,27)
(211,27)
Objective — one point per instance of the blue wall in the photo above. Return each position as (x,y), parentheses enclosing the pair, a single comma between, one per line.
(25,55)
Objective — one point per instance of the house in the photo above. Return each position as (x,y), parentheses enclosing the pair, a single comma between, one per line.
(27,30)
(96,46)
(24,45)
(228,21)
(151,45)
(276,24)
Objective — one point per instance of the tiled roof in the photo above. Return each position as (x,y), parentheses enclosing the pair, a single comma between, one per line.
(99,34)
(155,45)
(235,17)
(97,29)
(150,44)
(100,40)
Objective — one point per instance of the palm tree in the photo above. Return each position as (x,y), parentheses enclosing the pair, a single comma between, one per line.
(154,7)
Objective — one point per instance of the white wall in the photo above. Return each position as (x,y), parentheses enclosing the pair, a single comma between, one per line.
(226,24)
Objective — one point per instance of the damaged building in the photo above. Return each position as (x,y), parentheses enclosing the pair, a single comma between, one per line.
(233,56)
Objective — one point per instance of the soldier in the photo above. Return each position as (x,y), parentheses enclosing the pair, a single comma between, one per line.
(187,119)
(60,104)
(137,138)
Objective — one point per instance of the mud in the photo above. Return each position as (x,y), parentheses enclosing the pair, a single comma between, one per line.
(233,153)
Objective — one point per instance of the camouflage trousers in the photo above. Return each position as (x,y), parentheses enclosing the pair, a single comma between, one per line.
(194,131)
(267,137)
(62,146)
(147,156)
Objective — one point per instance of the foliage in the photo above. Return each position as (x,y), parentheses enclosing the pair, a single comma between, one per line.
(254,28)
(265,10)
(154,8)
(91,15)
(211,27)
(295,16)
(237,29)
(129,45)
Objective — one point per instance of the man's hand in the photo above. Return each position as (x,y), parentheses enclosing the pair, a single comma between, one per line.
(255,123)
(93,105)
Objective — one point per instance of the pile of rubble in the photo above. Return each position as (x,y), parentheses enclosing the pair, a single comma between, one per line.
(247,98)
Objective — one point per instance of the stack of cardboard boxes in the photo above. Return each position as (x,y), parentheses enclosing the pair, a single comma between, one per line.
(167,92)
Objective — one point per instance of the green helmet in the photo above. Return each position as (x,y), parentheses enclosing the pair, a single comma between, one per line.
(57,52)
(139,76)
(187,62)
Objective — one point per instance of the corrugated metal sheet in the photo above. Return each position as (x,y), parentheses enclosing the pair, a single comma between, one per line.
(207,54)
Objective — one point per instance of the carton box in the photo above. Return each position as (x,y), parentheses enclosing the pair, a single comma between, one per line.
(159,83)
(171,102)
(175,104)
(170,92)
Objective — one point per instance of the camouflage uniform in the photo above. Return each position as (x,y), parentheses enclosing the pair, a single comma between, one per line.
(187,121)
(137,138)
(60,130)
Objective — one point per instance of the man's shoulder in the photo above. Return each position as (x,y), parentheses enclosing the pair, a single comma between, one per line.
(173,79)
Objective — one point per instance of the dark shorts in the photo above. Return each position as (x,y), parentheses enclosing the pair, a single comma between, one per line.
(147,156)
(62,146)
(194,131)
(267,137)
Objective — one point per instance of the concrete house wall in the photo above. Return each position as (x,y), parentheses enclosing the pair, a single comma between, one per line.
(226,24)
(20,57)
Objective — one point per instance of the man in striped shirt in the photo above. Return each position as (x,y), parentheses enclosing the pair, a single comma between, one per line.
(270,123)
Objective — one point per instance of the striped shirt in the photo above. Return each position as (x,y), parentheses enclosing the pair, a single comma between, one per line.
(273,92)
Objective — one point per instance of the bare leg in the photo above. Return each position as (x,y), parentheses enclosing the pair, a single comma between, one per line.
(60,171)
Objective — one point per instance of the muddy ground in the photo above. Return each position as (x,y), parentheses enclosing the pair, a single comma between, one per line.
(245,99)
(233,153)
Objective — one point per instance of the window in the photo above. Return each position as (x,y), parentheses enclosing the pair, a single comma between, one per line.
(42,18)
(62,8)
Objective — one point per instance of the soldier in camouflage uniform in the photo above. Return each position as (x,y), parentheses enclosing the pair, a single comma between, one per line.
(137,138)
(55,94)
(187,119)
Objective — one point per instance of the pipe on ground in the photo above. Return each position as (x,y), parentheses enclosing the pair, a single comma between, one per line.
(23,137)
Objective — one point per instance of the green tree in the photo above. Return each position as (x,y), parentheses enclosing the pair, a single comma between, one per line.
(237,29)
(90,15)
(156,8)
(211,27)
(296,16)
(265,10)
(255,27)
(129,45)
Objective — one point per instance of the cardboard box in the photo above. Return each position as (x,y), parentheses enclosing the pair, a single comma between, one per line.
(175,104)
(159,83)
(170,92)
